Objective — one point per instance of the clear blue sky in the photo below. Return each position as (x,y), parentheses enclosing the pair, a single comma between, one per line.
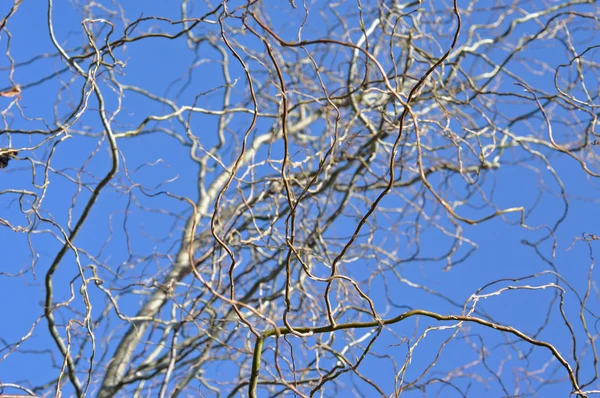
(162,66)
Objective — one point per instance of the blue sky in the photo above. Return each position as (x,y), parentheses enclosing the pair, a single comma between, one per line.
(170,69)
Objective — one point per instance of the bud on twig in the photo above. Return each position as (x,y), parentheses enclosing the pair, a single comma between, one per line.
(5,155)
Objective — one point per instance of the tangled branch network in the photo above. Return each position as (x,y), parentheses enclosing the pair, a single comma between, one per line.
(299,198)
